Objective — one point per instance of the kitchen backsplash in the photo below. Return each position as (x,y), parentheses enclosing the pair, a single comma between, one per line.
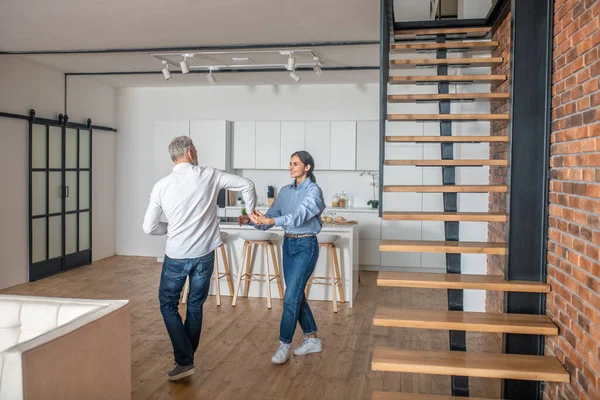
(330,182)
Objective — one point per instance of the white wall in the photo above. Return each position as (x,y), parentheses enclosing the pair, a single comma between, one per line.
(138,109)
(473,8)
(25,85)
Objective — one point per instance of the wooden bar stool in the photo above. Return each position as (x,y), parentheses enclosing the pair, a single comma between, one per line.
(334,279)
(217,275)
(264,239)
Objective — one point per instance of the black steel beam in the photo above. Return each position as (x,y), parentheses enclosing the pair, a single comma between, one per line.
(499,10)
(532,23)
(229,70)
(198,48)
(384,76)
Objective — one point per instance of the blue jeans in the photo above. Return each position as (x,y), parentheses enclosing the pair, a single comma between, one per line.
(185,338)
(299,260)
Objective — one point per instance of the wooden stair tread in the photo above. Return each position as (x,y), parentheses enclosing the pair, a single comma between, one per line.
(447,117)
(461,363)
(398,79)
(444,216)
(445,139)
(479,62)
(465,321)
(448,163)
(446,188)
(429,280)
(479,31)
(442,246)
(406,98)
(417,396)
(449,46)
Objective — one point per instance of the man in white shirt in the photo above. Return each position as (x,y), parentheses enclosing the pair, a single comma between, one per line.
(188,198)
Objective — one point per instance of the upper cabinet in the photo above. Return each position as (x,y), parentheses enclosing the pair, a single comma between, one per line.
(367,145)
(212,140)
(343,145)
(268,145)
(318,143)
(244,145)
(293,139)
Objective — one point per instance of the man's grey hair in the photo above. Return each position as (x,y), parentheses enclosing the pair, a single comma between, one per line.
(179,146)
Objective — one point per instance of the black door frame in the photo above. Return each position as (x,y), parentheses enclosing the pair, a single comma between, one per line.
(64,262)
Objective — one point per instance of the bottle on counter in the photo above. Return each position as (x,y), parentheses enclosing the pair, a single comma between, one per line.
(342,201)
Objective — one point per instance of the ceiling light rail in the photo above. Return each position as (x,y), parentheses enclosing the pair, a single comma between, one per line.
(290,64)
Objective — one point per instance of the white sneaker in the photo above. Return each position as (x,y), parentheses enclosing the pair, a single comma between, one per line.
(310,345)
(282,354)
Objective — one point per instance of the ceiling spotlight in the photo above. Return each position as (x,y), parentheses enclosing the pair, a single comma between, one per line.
(318,70)
(165,71)
(291,63)
(185,68)
(295,76)
(211,78)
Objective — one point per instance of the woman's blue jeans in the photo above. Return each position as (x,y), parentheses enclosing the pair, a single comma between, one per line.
(299,260)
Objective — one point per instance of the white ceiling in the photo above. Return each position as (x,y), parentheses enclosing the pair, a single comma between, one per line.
(27,25)
(41,25)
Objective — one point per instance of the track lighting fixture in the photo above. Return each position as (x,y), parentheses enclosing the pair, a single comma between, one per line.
(291,62)
(165,71)
(211,78)
(184,66)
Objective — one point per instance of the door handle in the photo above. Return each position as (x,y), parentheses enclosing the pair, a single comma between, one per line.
(66,191)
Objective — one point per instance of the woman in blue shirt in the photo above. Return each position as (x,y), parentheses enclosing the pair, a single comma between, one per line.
(297,209)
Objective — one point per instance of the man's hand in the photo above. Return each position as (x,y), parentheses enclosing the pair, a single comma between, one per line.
(243,220)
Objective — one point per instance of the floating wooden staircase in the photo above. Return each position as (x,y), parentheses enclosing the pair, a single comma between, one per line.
(428,280)
(455,362)
(462,363)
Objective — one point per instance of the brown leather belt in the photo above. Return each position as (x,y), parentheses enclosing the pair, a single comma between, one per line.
(299,235)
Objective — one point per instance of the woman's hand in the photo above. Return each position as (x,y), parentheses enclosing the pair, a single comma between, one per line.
(243,220)
(261,219)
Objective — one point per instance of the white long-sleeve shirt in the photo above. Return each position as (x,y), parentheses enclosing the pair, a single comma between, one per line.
(188,197)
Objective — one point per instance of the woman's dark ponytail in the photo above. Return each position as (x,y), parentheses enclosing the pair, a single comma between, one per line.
(307,159)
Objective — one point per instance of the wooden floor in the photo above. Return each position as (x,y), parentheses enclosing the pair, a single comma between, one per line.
(234,357)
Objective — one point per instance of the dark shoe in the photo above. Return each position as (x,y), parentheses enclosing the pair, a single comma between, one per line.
(180,372)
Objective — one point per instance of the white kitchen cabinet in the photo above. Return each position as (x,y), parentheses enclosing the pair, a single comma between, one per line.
(343,146)
(318,143)
(244,145)
(213,143)
(293,138)
(369,253)
(268,145)
(367,145)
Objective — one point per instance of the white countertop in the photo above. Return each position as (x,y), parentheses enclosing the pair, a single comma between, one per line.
(336,209)
(326,227)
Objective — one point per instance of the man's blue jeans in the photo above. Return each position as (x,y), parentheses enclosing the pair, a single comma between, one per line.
(185,338)
(299,260)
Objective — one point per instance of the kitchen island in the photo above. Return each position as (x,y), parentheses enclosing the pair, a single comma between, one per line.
(347,251)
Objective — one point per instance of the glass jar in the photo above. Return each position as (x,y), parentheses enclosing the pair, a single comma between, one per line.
(336,200)
(350,201)
(343,197)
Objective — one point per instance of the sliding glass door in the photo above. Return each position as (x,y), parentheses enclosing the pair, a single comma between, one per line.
(60,198)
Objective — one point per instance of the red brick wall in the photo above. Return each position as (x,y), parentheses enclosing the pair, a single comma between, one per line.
(498,151)
(574,220)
